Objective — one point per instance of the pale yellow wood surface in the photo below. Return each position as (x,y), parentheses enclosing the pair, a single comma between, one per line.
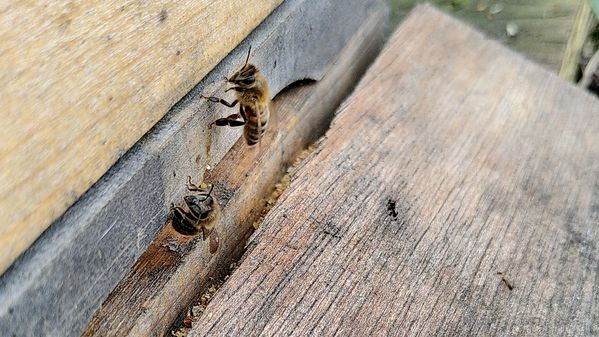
(580,31)
(82,82)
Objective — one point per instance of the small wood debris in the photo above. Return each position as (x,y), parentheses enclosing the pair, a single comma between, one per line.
(195,311)
(496,9)
(512,29)
(482,6)
(283,183)
(392,208)
(505,281)
(272,199)
(507,284)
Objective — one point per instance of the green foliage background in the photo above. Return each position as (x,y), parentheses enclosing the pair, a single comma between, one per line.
(595,6)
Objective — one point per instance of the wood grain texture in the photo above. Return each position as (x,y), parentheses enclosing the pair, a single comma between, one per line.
(454,160)
(91,247)
(585,20)
(175,269)
(82,82)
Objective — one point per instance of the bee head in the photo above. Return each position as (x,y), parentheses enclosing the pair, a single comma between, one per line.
(200,205)
(246,76)
(174,213)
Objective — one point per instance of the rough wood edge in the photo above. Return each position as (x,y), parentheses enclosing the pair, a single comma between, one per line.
(580,31)
(303,113)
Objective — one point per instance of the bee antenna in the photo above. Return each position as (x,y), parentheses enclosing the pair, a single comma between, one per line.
(248,57)
(209,192)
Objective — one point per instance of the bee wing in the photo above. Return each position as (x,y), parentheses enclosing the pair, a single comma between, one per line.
(214,241)
(259,112)
(259,118)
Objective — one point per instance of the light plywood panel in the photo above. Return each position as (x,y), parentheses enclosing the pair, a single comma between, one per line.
(82,82)
(456,194)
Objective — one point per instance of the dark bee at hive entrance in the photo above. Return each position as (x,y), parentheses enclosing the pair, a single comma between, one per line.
(196,214)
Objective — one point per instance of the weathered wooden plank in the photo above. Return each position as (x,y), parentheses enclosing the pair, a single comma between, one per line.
(174,270)
(82,82)
(580,32)
(545,26)
(455,169)
(93,245)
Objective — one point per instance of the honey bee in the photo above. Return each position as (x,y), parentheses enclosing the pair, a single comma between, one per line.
(251,89)
(198,212)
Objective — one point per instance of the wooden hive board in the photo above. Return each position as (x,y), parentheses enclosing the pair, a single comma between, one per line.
(455,194)
(175,269)
(90,248)
(82,82)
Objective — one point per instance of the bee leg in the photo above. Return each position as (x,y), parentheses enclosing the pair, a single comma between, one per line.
(238,89)
(206,233)
(171,212)
(231,120)
(259,124)
(214,241)
(220,100)
(191,186)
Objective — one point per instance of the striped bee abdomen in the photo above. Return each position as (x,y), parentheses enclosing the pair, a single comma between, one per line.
(255,126)
(251,89)
(184,221)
